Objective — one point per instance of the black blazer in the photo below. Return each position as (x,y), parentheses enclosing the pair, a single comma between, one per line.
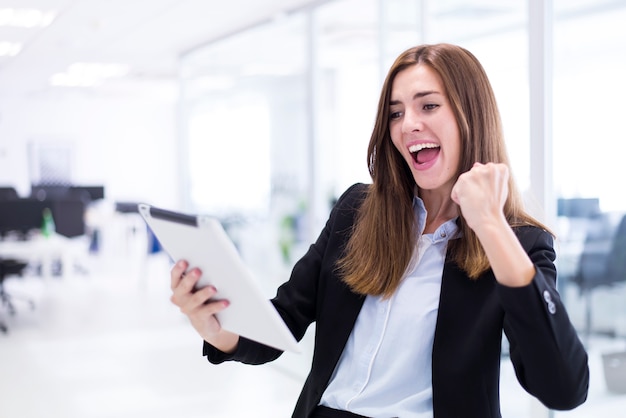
(549,359)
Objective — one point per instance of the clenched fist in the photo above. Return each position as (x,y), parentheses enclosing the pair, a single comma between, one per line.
(481,193)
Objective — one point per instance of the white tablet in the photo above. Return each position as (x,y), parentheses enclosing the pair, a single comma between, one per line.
(203,242)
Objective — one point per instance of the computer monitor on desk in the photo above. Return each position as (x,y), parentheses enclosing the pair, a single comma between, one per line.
(8,193)
(91,192)
(55,192)
(48,191)
(69,216)
(20,216)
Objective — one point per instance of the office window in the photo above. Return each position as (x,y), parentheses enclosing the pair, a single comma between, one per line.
(496,32)
(589,86)
(589,144)
(349,84)
(229,163)
(243,118)
(245,130)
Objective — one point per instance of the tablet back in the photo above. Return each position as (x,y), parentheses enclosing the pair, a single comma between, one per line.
(203,242)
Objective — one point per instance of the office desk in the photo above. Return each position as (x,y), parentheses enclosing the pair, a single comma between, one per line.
(45,251)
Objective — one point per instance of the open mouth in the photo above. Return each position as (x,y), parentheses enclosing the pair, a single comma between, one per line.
(423,153)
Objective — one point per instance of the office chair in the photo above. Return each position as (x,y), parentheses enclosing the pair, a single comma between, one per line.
(602,262)
(10,267)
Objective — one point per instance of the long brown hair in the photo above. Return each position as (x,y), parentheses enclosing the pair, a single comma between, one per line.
(385,233)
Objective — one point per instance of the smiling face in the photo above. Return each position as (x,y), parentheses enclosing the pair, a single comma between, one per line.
(424,130)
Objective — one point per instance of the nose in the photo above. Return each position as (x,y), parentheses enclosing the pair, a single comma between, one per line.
(411,122)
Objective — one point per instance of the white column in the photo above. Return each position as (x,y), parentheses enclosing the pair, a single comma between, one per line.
(313,83)
(540,79)
(540,72)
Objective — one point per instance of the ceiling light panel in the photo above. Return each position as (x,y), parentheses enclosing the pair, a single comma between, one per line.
(9,49)
(26,18)
(88,74)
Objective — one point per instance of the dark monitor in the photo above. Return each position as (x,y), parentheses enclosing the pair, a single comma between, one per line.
(8,193)
(90,192)
(48,192)
(20,215)
(69,216)
(25,215)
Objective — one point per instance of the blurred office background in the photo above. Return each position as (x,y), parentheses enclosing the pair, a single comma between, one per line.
(260,113)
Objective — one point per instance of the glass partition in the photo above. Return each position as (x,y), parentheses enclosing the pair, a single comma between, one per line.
(589,144)
(348,57)
(246,133)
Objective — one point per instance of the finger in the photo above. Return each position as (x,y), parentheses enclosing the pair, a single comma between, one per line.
(188,280)
(454,195)
(187,300)
(504,170)
(190,303)
(177,272)
(200,303)
(217,306)
(203,296)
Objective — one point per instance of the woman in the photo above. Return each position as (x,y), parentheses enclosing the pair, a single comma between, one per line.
(414,277)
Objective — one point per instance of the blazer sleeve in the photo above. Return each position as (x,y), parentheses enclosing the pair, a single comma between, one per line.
(296,300)
(548,357)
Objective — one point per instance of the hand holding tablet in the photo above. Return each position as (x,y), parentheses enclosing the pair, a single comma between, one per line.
(203,243)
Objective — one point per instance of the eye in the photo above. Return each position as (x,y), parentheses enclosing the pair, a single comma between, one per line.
(430,106)
(395,115)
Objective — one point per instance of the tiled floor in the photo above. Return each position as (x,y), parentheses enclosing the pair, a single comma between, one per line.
(109,344)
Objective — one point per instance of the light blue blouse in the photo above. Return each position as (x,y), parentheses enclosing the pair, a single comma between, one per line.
(385,369)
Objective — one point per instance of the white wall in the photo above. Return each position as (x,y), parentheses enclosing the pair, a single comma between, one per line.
(125,142)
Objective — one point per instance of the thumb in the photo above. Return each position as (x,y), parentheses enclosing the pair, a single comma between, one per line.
(454,195)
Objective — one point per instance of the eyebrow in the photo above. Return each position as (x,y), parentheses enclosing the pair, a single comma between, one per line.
(417,95)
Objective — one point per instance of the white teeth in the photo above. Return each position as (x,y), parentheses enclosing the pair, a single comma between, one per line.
(419,147)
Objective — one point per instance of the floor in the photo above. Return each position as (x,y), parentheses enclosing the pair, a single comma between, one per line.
(105,342)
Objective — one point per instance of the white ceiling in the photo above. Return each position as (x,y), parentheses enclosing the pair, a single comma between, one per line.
(148,35)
